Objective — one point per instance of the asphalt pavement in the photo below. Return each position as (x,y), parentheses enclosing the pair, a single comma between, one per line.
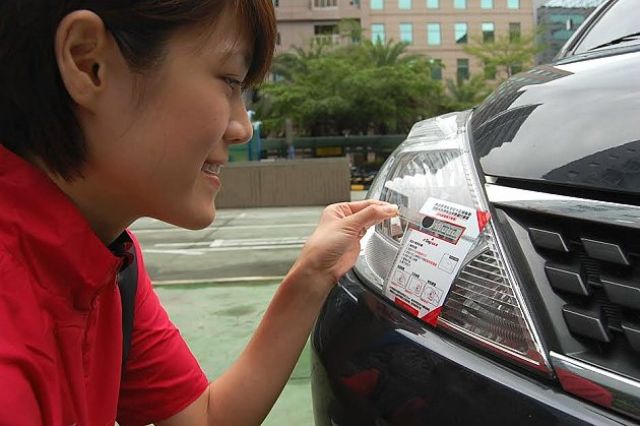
(217,282)
(241,244)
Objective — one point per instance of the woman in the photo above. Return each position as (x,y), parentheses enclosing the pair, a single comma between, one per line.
(113,110)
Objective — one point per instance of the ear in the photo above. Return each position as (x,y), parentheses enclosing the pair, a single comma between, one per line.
(81,48)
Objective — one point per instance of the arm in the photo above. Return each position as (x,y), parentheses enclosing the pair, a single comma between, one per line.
(245,393)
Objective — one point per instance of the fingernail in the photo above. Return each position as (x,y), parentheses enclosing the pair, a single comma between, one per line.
(391,208)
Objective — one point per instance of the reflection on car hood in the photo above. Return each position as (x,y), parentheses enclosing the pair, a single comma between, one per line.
(573,124)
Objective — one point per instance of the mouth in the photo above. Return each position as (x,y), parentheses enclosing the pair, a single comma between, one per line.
(212,169)
(211,172)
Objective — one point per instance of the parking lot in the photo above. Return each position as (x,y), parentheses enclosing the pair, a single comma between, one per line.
(216,284)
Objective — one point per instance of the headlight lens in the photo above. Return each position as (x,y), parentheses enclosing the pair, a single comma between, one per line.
(485,305)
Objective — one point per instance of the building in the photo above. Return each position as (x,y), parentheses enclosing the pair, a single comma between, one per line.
(437,28)
(558,20)
(302,20)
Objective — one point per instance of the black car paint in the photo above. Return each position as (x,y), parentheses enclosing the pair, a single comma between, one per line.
(572,124)
(374,365)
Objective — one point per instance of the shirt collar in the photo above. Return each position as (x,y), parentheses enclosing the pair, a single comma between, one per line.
(53,239)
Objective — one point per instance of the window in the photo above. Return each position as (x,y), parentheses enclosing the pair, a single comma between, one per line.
(278,39)
(488,32)
(621,19)
(460,4)
(461,33)
(406,33)
(404,4)
(326,33)
(325,3)
(436,69)
(513,4)
(433,34)
(326,29)
(377,33)
(463,69)
(514,31)
(486,4)
(377,4)
(433,4)
(276,3)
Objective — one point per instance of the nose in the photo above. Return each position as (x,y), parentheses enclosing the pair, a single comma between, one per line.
(239,130)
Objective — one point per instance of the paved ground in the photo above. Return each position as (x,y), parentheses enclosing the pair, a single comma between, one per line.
(216,284)
(241,243)
(217,322)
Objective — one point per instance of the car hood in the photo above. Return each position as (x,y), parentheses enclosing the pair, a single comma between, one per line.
(575,124)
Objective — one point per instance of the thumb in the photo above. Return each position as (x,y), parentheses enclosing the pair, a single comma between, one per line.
(372,215)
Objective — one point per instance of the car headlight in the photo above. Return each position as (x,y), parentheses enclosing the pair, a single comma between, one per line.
(485,305)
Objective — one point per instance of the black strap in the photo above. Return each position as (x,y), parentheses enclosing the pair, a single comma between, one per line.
(128,285)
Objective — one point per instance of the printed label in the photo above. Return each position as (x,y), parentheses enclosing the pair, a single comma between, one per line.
(431,255)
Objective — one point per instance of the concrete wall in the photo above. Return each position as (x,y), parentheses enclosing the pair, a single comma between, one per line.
(309,182)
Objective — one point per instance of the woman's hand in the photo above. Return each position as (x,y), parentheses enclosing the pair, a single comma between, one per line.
(335,244)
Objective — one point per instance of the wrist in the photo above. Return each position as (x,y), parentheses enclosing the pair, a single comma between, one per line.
(316,284)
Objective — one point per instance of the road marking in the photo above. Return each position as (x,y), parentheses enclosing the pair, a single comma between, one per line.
(232,227)
(253,242)
(230,280)
(201,251)
(183,252)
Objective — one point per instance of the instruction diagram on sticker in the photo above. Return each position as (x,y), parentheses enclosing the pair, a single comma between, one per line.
(431,255)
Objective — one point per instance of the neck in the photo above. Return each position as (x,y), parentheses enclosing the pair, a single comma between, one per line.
(97,205)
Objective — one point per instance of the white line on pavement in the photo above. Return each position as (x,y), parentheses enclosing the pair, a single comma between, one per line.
(233,243)
(229,280)
(183,252)
(201,251)
(232,227)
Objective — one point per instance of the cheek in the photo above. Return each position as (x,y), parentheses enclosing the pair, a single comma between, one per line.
(167,139)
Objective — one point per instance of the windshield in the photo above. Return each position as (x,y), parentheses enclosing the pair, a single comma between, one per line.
(620,20)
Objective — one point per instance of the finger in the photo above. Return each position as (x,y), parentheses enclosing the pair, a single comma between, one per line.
(372,215)
(356,206)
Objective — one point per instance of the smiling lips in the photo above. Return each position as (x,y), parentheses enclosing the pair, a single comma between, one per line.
(212,172)
(212,169)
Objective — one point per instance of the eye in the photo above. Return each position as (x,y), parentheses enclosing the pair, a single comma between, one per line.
(233,83)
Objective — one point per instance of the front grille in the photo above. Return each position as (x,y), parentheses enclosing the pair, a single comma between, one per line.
(595,269)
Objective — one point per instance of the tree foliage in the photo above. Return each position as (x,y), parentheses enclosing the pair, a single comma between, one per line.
(465,94)
(353,89)
(506,54)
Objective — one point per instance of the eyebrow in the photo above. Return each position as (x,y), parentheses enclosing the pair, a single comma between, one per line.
(234,51)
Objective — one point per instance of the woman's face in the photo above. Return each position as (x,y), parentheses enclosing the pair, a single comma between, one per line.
(156,139)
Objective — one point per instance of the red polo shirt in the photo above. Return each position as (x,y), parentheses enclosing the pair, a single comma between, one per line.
(61,324)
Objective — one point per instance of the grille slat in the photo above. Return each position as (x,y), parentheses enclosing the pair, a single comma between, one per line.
(604,256)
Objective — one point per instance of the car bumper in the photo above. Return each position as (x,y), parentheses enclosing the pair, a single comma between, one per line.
(374,365)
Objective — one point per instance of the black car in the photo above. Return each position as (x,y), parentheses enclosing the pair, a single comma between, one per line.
(541,324)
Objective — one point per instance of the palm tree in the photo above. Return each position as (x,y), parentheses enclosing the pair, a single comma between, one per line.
(464,94)
(389,53)
(287,64)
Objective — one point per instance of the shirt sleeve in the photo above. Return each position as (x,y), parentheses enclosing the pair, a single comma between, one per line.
(161,377)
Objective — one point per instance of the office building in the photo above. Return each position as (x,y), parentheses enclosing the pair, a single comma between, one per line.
(438,28)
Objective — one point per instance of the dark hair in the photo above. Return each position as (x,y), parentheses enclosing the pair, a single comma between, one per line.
(36,112)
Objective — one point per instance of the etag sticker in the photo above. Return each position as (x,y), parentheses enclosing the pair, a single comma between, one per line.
(431,255)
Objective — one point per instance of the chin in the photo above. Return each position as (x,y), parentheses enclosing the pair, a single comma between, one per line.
(194,219)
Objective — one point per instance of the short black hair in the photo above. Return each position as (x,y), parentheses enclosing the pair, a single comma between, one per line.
(37,119)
